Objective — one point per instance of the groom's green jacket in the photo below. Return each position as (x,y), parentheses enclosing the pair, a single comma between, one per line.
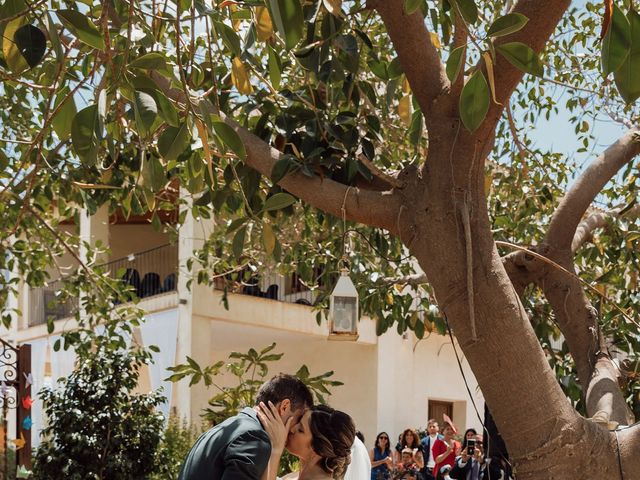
(236,449)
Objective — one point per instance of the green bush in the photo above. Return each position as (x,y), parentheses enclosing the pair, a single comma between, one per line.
(177,440)
(97,428)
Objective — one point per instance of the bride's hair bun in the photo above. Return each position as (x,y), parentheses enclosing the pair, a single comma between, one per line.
(333,433)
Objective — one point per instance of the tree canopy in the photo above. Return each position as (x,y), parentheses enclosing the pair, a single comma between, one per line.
(395,133)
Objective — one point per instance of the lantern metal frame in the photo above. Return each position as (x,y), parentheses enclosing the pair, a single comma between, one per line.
(344,289)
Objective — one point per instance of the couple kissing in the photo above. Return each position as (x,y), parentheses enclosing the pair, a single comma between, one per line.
(249,445)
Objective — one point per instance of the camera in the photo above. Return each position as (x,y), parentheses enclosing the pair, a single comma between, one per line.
(471,445)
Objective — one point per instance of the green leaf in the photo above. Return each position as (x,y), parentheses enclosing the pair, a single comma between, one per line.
(10,51)
(474,101)
(282,167)
(507,24)
(153,173)
(166,109)
(230,138)
(289,19)
(229,37)
(278,201)
(83,28)
(62,121)
(150,61)
(83,134)
(455,63)
(237,245)
(145,110)
(616,42)
(268,238)
(627,77)
(522,57)
(468,10)
(275,69)
(54,37)
(411,6)
(173,141)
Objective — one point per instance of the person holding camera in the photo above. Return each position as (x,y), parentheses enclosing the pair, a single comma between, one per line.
(470,464)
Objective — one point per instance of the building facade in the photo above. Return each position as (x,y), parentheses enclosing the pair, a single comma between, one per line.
(391,382)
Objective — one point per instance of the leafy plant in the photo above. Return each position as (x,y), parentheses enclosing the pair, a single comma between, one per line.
(177,439)
(98,428)
(250,370)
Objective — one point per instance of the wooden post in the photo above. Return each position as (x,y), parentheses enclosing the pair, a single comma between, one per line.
(23,456)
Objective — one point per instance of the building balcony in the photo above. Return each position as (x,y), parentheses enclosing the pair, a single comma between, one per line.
(149,273)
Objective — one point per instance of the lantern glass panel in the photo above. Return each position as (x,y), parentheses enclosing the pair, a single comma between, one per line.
(344,314)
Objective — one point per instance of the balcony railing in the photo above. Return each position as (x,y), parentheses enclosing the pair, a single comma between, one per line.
(149,273)
(277,287)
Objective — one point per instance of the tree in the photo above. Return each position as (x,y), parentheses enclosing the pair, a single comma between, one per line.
(397,120)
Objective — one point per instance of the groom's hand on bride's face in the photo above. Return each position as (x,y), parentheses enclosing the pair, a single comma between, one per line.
(276,428)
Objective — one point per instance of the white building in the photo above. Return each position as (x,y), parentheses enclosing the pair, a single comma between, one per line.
(390,382)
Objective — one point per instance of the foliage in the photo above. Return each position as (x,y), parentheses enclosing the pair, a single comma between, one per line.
(97,428)
(177,440)
(250,370)
(91,123)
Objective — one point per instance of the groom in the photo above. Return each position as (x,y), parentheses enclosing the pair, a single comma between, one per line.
(239,448)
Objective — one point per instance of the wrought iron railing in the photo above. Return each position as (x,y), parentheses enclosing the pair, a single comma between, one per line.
(149,273)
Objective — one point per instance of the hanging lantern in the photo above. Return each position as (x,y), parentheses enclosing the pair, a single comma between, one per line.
(343,309)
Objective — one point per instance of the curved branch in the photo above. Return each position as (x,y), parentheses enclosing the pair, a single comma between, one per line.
(374,208)
(418,56)
(415,279)
(598,220)
(575,203)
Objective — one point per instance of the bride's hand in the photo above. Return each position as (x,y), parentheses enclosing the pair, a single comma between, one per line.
(274,426)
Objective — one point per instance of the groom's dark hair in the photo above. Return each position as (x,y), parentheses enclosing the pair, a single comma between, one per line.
(285,386)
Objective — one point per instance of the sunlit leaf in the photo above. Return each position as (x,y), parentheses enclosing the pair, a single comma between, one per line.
(616,43)
(507,24)
(474,101)
(455,63)
(239,77)
(83,28)
(627,77)
(522,57)
(278,201)
(289,20)
(268,238)
(264,26)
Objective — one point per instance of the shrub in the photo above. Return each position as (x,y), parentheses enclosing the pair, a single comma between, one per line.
(97,428)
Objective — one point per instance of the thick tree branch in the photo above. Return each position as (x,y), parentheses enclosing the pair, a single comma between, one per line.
(575,203)
(598,220)
(419,57)
(413,280)
(374,208)
(378,209)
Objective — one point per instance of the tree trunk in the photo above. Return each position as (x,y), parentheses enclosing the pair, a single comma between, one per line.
(545,436)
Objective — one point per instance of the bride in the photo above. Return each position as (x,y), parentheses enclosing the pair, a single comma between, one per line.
(322,440)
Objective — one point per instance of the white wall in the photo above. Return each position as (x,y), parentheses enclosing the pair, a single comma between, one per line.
(409,377)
